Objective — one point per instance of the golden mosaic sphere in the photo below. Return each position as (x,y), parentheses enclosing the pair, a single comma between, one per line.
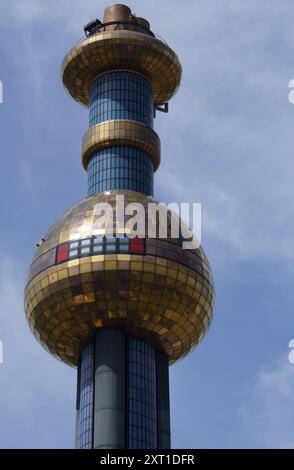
(83,277)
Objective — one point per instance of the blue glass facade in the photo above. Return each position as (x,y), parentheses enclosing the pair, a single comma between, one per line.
(120,168)
(86,398)
(142,407)
(121,95)
(141,401)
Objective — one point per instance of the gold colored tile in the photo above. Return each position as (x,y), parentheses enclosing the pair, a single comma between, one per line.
(146,297)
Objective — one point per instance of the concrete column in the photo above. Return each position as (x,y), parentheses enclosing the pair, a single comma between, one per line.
(110,390)
(163,408)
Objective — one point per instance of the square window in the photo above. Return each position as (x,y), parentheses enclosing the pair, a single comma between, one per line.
(62,252)
(98,240)
(73,253)
(86,242)
(124,248)
(85,251)
(111,240)
(74,245)
(110,248)
(98,249)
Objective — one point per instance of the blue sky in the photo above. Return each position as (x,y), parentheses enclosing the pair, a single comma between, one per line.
(227,143)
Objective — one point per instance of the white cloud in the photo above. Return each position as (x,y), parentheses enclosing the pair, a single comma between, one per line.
(268,415)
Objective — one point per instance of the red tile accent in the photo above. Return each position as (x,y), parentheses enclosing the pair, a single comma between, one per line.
(137,246)
(62,253)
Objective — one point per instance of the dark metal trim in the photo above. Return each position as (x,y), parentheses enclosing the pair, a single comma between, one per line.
(97,29)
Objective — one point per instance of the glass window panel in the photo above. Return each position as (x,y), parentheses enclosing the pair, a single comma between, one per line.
(111,248)
(86,242)
(86,370)
(110,240)
(124,241)
(141,371)
(98,240)
(73,253)
(124,248)
(85,251)
(74,245)
(98,249)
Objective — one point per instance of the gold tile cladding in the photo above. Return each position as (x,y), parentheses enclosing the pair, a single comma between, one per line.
(121,132)
(149,297)
(113,50)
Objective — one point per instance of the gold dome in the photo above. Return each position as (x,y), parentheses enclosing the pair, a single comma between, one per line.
(153,290)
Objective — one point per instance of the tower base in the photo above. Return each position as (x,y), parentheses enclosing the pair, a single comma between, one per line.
(122,395)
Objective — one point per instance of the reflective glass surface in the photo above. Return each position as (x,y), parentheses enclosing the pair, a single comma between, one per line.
(121,95)
(120,168)
(142,410)
(86,397)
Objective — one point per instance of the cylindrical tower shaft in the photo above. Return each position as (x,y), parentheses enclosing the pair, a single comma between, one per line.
(123,394)
(124,96)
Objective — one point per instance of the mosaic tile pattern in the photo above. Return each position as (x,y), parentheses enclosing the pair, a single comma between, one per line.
(121,132)
(165,297)
(126,50)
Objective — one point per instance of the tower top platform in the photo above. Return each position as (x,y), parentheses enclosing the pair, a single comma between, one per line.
(121,42)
